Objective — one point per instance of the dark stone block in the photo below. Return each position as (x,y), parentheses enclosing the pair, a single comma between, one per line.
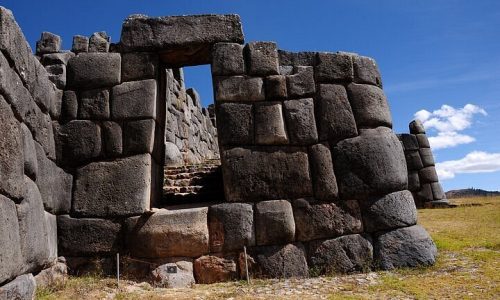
(262,58)
(428,175)
(138,136)
(231,226)
(425,193)
(94,70)
(139,66)
(345,254)
(112,133)
(427,157)
(57,58)
(94,105)
(437,191)
(369,105)
(30,161)
(78,141)
(334,114)
(10,252)
(99,42)
(235,124)
(413,181)
(416,127)
(305,58)
(409,141)
(423,142)
(48,43)
(366,71)
(274,224)
(318,220)
(280,261)
(276,87)
(227,59)
(413,160)
(69,106)
(80,44)
(301,84)
(57,75)
(324,181)
(269,124)
(239,88)
(333,67)
(300,121)
(135,99)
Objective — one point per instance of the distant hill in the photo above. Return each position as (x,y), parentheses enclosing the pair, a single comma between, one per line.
(472,192)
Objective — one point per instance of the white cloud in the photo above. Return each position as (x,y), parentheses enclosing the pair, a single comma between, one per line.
(474,162)
(448,121)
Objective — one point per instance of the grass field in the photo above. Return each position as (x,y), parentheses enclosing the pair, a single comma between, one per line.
(468,267)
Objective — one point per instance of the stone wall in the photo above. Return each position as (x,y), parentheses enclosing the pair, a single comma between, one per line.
(423,181)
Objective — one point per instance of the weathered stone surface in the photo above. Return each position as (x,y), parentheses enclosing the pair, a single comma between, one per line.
(235,124)
(85,237)
(303,58)
(211,269)
(182,278)
(48,43)
(324,181)
(231,226)
(334,114)
(301,84)
(276,87)
(262,58)
(251,174)
(404,247)
(11,152)
(239,88)
(56,104)
(57,58)
(416,127)
(99,42)
(169,233)
(57,74)
(94,70)
(413,160)
(366,70)
(425,193)
(10,252)
(94,105)
(423,142)
(333,67)
(54,184)
(427,157)
(227,59)
(437,191)
(80,44)
(391,211)
(138,136)
(135,99)
(428,174)
(78,141)
(370,164)
(317,220)
(280,261)
(184,40)
(21,288)
(369,105)
(274,224)
(51,277)
(69,106)
(33,234)
(51,228)
(118,188)
(173,157)
(409,141)
(300,121)
(112,133)
(81,266)
(345,254)
(30,161)
(139,66)
(269,124)
(413,181)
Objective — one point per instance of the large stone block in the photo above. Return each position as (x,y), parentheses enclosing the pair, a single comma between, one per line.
(112,134)
(69,106)
(48,43)
(78,141)
(80,44)
(366,70)
(139,66)
(211,269)
(333,67)
(94,105)
(275,173)
(427,157)
(138,136)
(235,124)
(184,40)
(317,220)
(303,58)
(99,42)
(57,75)
(94,70)
(324,181)
(300,121)
(370,164)
(428,175)
(437,191)
(227,59)
(301,84)
(423,142)
(416,127)
(269,124)
(413,181)
(276,87)
(11,152)
(389,212)
(10,252)
(262,58)
(116,188)
(57,58)
(369,105)
(274,224)
(409,141)
(87,237)
(279,261)
(169,233)
(32,229)
(334,114)
(413,160)
(54,184)
(231,226)
(239,88)
(135,99)
(345,254)
(51,228)
(21,288)
(404,247)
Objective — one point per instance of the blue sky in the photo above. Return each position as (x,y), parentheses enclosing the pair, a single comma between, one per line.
(430,53)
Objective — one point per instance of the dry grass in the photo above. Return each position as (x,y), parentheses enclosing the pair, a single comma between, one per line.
(468,238)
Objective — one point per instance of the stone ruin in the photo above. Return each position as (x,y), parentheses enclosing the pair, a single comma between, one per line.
(104,150)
